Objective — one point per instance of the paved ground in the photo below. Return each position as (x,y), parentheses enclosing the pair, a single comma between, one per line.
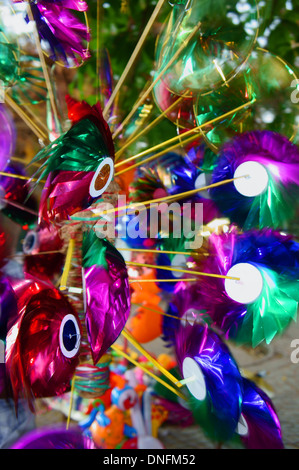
(280,374)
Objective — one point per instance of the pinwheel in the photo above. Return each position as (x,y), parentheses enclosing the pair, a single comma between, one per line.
(106,293)
(259,426)
(212,378)
(265,169)
(259,298)
(42,343)
(79,164)
(54,437)
(58,27)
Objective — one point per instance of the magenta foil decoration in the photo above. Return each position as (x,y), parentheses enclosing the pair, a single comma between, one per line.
(107,297)
(7,136)
(65,34)
(218,408)
(55,437)
(261,427)
(64,194)
(42,344)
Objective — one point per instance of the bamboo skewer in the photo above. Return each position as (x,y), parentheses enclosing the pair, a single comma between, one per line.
(27,120)
(134,56)
(150,126)
(142,205)
(157,155)
(183,271)
(126,334)
(150,88)
(43,63)
(177,139)
(148,372)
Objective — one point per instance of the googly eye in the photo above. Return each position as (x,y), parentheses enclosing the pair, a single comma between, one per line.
(30,243)
(69,336)
(102,178)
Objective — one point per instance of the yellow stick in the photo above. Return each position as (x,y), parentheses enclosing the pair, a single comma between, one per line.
(150,126)
(20,177)
(141,349)
(134,281)
(186,271)
(142,205)
(134,55)
(148,372)
(150,88)
(157,155)
(140,250)
(98,51)
(67,266)
(43,62)
(186,134)
(28,121)
(71,403)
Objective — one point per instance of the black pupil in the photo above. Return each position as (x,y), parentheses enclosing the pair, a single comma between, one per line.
(69,335)
(30,239)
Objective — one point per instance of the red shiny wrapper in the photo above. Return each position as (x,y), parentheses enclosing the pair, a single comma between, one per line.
(43,344)
(40,247)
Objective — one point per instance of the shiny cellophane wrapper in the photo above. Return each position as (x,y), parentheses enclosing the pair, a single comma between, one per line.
(75,280)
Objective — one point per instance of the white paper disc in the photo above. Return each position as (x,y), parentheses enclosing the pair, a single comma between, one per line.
(92,189)
(202,181)
(249,286)
(196,387)
(179,262)
(242,427)
(255,179)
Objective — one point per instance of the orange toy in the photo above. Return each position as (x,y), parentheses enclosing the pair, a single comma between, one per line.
(146,325)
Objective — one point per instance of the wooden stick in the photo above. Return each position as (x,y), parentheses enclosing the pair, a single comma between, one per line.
(71,403)
(150,88)
(186,134)
(150,126)
(143,250)
(186,271)
(142,205)
(145,353)
(67,266)
(134,56)
(148,372)
(43,63)
(157,155)
(20,177)
(137,281)
(28,121)
(98,52)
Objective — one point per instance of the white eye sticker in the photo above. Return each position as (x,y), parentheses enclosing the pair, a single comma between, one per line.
(179,262)
(95,191)
(255,179)
(242,427)
(69,336)
(197,384)
(249,285)
(30,243)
